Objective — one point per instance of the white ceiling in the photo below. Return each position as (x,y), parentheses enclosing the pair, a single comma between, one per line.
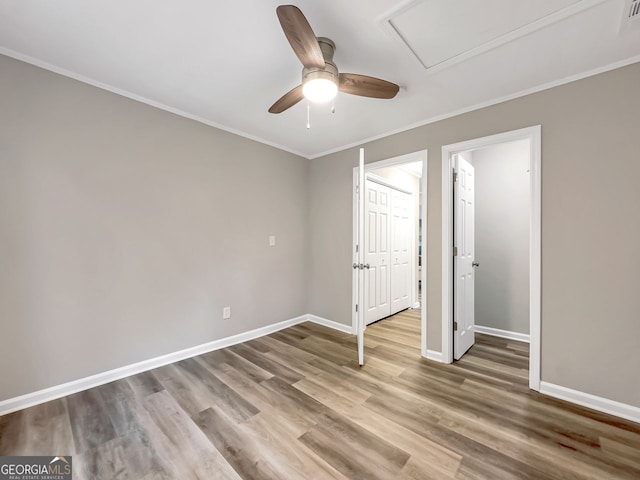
(226,62)
(457,30)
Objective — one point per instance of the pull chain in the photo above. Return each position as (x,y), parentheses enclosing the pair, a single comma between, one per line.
(333,110)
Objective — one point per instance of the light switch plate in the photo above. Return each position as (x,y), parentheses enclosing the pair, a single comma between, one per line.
(272,240)
(226,313)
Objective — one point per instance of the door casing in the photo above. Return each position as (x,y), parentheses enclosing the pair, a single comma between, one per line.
(534,135)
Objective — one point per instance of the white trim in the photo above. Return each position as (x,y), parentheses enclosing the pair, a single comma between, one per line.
(58,391)
(488,103)
(420,155)
(435,356)
(412,157)
(387,183)
(386,23)
(535,257)
(496,332)
(138,98)
(534,135)
(341,327)
(423,268)
(594,402)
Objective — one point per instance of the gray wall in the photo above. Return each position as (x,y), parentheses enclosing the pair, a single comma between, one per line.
(590,225)
(124,230)
(502,236)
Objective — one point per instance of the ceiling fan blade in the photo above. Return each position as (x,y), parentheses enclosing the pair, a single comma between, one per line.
(300,36)
(367,86)
(288,100)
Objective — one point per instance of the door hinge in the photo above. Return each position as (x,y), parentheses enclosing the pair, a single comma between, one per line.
(455,176)
(357,248)
(356,307)
(455,326)
(455,251)
(357,189)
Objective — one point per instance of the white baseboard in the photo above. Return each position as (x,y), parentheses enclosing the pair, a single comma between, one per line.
(435,356)
(496,332)
(594,402)
(58,391)
(331,324)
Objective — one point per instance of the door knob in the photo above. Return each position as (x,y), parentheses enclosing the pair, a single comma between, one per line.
(475,264)
(367,266)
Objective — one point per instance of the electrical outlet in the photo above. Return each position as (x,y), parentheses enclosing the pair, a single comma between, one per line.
(226,313)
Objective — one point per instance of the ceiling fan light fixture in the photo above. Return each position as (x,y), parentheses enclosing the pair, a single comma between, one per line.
(320,78)
(320,87)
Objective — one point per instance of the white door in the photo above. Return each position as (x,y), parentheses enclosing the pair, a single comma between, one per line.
(377,255)
(358,259)
(401,261)
(464,235)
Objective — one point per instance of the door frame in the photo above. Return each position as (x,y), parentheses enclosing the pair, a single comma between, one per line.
(422,156)
(534,135)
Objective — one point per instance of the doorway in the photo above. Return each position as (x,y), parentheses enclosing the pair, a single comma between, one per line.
(393,278)
(391,205)
(458,244)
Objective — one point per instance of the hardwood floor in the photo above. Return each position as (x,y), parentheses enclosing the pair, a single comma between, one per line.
(295,404)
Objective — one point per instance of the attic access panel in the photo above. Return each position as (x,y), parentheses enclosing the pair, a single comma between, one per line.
(441,32)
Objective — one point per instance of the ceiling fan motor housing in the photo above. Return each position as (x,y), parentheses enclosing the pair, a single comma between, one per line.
(330,70)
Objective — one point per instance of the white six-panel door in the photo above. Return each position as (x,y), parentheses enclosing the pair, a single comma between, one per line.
(359,257)
(464,237)
(401,263)
(387,251)
(376,251)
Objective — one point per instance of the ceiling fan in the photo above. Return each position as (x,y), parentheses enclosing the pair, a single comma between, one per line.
(320,78)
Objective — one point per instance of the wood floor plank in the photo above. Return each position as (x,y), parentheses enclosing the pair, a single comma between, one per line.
(264,399)
(37,430)
(623,452)
(187,448)
(374,458)
(240,449)
(260,360)
(90,422)
(197,371)
(144,384)
(427,457)
(296,404)
(239,363)
(193,397)
(318,389)
(280,445)
(103,463)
